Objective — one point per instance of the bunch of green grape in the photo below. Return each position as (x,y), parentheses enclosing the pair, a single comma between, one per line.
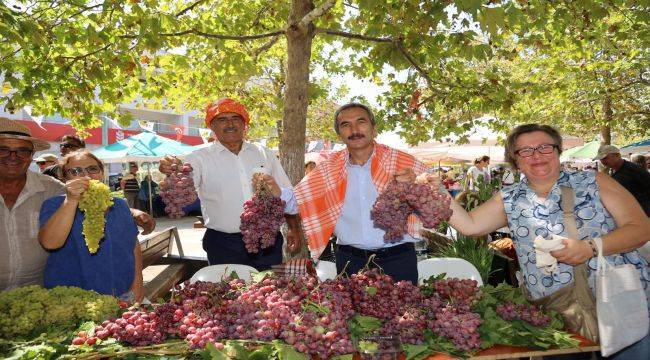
(94,202)
(29,310)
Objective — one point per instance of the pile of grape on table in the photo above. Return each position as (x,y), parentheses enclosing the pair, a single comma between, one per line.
(325,319)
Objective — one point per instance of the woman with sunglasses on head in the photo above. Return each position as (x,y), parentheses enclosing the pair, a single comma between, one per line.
(116,268)
(601,208)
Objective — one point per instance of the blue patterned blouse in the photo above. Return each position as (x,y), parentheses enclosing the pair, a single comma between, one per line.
(529,216)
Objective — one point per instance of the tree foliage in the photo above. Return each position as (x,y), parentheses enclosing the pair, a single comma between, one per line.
(446,63)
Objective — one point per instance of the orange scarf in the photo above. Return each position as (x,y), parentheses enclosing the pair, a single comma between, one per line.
(320,195)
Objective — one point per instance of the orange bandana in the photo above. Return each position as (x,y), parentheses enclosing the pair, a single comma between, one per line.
(320,195)
(225,106)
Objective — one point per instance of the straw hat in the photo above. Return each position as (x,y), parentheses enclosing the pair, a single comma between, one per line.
(46,157)
(10,129)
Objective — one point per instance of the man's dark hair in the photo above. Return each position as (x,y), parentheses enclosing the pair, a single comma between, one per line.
(351,105)
(73,139)
(510,149)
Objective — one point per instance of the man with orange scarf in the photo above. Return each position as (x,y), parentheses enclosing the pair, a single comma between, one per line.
(336,197)
(222,175)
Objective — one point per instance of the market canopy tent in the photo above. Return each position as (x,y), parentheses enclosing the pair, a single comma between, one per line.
(586,151)
(641,147)
(145,146)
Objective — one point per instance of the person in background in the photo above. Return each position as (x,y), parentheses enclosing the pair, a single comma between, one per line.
(309,166)
(638,159)
(336,198)
(130,185)
(631,176)
(116,268)
(532,207)
(143,194)
(45,160)
(223,174)
(480,169)
(69,143)
(22,258)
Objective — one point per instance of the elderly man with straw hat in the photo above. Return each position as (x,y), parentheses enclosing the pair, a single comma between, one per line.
(223,175)
(22,259)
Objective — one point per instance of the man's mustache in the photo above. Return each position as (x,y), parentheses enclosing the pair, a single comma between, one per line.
(228,129)
(356,136)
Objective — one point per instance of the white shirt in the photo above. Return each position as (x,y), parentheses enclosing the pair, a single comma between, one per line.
(22,258)
(223,181)
(472,176)
(354,226)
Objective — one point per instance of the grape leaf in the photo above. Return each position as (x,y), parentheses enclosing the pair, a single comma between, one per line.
(416,352)
(258,277)
(212,353)
(361,325)
(286,352)
(368,347)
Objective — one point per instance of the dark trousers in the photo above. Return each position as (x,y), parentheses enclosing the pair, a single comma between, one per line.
(399,261)
(228,248)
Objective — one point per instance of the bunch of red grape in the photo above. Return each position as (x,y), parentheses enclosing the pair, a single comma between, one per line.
(376,294)
(139,328)
(461,327)
(409,326)
(531,314)
(460,292)
(424,198)
(177,190)
(319,333)
(261,220)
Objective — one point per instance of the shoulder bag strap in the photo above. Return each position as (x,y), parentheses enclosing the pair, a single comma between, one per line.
(567,212)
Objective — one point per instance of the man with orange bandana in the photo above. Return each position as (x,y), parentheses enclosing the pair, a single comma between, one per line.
(336,197)
(223,175)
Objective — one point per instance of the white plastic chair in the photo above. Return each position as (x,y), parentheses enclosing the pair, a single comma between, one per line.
(325,270)
(452,267)
(216,273)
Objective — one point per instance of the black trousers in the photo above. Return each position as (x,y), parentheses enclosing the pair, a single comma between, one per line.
(228,248)
(399,261)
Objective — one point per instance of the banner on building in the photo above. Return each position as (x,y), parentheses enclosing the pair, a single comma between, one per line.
(179,129)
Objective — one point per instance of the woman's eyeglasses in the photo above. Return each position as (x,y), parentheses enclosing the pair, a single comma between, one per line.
(542,149)
(21,153)
(78,171)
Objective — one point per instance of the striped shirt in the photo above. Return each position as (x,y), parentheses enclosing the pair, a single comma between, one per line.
(22,258)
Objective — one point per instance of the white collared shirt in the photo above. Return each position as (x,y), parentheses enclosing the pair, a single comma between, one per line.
(22,258)
(354,226)
(223,181)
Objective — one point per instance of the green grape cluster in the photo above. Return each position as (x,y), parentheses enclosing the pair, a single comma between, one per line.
(94,202)
(29,310)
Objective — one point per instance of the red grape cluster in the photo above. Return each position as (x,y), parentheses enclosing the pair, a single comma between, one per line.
(409,326)
(319,333)
(261,220)
(460,292)
(461,327)
(139,328)
(391,211)
(177,190)
(399,200)
(531,314)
